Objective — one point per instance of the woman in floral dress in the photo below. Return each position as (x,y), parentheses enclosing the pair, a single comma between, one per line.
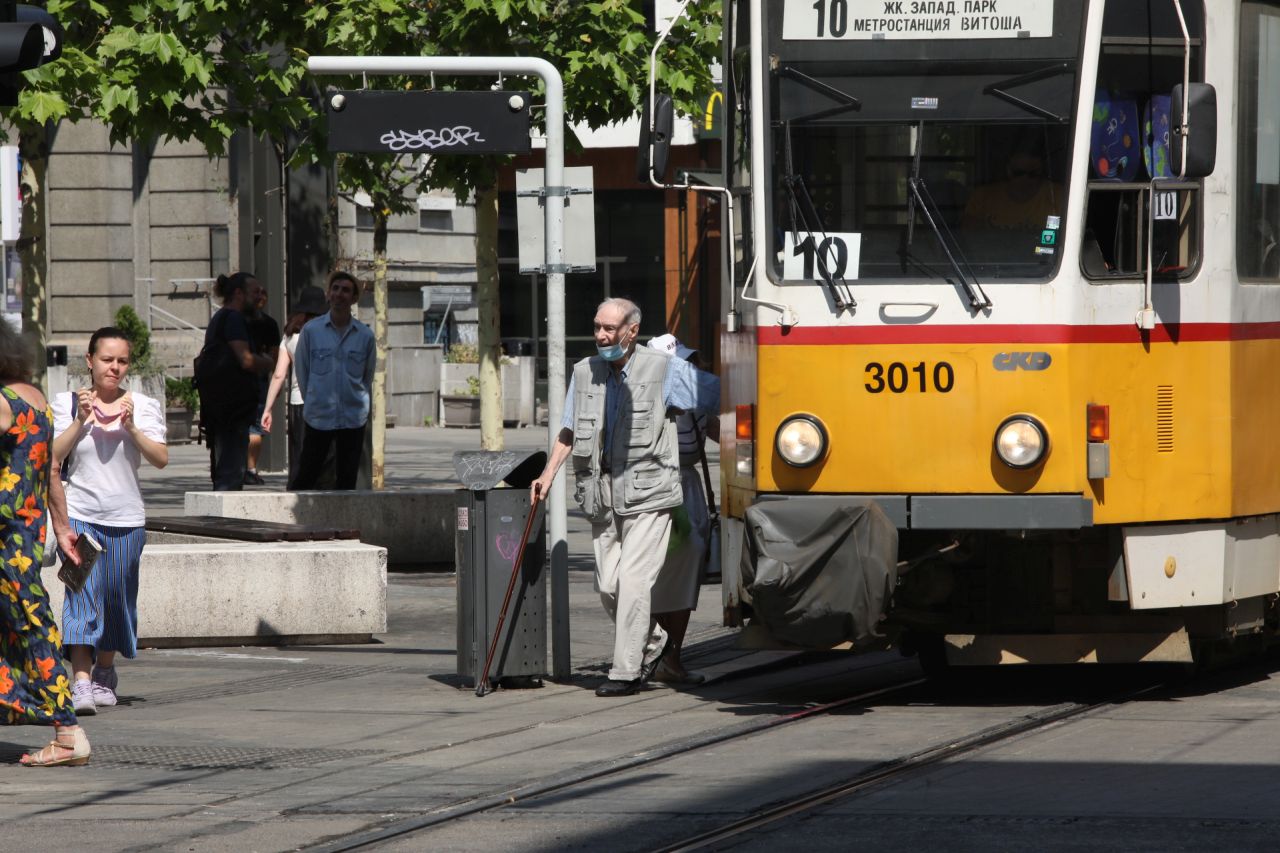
(33,685)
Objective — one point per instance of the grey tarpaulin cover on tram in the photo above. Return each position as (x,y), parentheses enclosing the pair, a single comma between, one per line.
(819,584)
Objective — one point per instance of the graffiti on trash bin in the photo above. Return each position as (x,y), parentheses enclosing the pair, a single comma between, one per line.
(507,544)
(485,470)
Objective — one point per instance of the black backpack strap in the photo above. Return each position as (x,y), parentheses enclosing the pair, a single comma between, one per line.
(712,509)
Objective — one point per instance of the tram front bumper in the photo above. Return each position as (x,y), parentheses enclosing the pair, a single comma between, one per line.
(960,512)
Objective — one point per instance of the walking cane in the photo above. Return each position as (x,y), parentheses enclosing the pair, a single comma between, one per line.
(482,686)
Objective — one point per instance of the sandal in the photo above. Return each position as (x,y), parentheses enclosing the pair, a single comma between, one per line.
(67,748)
(677,678)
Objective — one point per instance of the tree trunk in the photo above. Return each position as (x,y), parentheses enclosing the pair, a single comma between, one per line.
(489,305)
(33,143)
(378,416)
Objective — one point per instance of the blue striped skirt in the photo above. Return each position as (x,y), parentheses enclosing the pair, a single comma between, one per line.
(105,613)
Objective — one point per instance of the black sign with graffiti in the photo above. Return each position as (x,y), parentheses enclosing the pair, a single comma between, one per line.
(429,122)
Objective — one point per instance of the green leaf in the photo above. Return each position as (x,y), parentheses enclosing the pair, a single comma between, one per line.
(196,66)
(36,589)
(119,39)
(158,44)
(6,510)
(43,107)
(116,96)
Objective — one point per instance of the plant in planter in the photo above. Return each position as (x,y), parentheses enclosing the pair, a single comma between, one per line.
(181,401)
(462,407)
(128,321)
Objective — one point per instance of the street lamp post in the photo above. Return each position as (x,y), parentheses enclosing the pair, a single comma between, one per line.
(555,192)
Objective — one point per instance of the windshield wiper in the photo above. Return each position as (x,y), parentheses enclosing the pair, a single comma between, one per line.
(920,193)
(998,89)
(806,219)
(847,101)
(919,196)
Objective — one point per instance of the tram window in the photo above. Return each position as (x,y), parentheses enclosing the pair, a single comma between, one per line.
(1140,63)
(1258,163)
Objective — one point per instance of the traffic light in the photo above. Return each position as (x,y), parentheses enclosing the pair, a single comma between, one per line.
(29,37)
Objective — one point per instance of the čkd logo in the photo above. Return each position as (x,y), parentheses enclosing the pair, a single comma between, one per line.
(1021,361)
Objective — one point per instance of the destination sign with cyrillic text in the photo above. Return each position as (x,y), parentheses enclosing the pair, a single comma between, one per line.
(811,20)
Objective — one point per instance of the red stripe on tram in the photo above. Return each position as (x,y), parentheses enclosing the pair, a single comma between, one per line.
(1014,334)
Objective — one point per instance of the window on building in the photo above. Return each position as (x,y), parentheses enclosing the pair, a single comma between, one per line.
(364,218)
(435,220)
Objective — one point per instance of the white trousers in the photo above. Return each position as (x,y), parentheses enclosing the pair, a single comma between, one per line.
(680,580)
(630,551)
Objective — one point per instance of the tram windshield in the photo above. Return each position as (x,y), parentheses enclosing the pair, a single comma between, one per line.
(920,143)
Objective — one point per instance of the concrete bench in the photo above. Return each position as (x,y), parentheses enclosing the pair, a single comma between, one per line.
(197,592)
(416,526)
(221,527)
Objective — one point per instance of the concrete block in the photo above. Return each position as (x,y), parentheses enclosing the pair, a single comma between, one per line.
(189,208)
(416,526)
(413,409)
(414,369)
(79,278)
(86,207)
(79,316)
(91,171)
(92,242)
(168,174)
(225,592)
(80,136)
(172,148)
(180,242)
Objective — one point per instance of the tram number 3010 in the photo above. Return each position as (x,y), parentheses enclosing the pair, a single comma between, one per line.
(898,378)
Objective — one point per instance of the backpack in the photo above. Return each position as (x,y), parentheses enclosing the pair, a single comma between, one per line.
(214,356)
(224,387)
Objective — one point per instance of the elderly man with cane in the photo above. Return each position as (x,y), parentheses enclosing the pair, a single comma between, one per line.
(619,428)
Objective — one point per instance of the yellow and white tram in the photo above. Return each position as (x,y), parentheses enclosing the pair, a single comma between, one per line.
(1008,271)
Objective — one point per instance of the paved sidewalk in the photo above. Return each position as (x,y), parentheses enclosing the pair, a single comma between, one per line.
(260,748)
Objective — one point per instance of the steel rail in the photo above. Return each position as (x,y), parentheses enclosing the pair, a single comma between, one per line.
(896,768)
(574,777)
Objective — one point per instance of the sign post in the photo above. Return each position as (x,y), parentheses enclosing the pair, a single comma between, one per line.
(555,191)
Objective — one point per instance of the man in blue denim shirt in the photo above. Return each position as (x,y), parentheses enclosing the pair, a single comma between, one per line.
(334,362)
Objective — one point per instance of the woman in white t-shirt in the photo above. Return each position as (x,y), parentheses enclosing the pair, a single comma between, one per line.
(102,434)
(311,304)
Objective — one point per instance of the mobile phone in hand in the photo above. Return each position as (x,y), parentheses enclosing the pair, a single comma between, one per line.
(88,549)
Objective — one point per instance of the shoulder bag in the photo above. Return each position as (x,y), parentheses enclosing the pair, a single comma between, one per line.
(711,558)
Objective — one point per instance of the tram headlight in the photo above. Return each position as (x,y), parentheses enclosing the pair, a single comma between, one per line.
(801,441)
(1021,441)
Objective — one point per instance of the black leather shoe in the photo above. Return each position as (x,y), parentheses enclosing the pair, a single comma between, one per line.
(618,688)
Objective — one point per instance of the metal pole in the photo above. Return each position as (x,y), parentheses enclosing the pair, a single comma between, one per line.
(557,504)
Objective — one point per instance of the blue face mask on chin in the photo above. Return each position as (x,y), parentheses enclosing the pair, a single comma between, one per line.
(611,353)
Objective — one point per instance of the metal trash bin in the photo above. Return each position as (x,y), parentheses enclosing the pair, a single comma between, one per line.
(489,522)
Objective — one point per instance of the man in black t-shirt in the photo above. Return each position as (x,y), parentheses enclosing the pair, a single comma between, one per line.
(264,336)
(226,375)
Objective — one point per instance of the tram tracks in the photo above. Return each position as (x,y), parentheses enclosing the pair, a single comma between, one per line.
(896,769)
(581,776)
(555,787)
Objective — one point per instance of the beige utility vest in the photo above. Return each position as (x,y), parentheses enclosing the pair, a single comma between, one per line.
(643,468)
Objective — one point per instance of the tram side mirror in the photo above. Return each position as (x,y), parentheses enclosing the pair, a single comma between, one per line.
(1201,143)
(658,143)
